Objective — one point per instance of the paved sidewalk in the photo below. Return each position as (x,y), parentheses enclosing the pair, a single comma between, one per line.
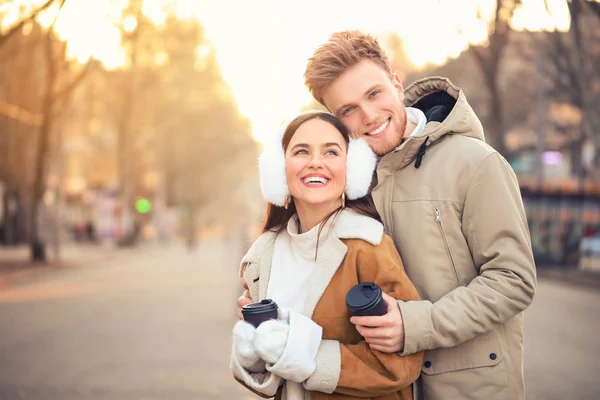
(16,265)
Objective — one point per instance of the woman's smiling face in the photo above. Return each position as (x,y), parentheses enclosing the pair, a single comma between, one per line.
(315,164)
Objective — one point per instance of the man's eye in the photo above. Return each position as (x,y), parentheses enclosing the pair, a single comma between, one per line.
(374,93)
(346,111)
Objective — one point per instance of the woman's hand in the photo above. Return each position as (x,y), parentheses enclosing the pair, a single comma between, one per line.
(243,300)
(243,344)
(289,346)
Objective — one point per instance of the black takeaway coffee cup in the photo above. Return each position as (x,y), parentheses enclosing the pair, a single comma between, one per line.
(365,299)
(257,313)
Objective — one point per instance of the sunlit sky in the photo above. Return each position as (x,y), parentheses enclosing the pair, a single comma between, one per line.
(262,46)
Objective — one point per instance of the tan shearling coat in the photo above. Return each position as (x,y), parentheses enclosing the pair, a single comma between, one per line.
(356,250)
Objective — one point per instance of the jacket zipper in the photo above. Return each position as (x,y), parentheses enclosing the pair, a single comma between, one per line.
(391,227)
(438,219)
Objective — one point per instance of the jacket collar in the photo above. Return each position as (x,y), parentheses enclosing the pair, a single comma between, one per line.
(349,225)
(447,111)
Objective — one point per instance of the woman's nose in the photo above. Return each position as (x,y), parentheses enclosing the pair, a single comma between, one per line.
(316,161)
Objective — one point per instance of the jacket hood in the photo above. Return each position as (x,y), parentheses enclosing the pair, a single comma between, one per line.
(447,111)
(446,108)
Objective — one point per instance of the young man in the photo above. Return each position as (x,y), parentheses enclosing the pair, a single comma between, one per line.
(453,207)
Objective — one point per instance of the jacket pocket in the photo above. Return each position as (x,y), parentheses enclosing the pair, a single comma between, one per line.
(251,276)
(438,220)
(481,351)
(472,370)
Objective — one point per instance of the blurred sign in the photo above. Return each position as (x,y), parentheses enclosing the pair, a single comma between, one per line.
(552,158)
(143,206)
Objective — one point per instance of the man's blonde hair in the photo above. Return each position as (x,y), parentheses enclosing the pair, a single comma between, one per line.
(341,51)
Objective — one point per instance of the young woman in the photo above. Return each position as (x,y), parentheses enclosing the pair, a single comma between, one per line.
(322,236)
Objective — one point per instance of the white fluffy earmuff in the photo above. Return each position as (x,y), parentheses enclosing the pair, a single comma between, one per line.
(360,164)
(271,165)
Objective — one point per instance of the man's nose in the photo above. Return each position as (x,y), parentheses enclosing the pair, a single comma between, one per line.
(369,115)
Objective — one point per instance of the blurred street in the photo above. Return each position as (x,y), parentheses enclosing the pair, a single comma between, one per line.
(562,342)
(154,323)
(149,324)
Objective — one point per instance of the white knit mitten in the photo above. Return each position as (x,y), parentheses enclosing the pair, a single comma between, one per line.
(243,340)
(289,347)
(270,339)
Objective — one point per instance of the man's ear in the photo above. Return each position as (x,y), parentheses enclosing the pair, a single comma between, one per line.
(397,83)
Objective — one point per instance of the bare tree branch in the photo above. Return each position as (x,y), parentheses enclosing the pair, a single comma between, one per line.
(21,24)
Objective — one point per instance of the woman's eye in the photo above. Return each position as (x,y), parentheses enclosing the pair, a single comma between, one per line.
(332,152)
(300,152)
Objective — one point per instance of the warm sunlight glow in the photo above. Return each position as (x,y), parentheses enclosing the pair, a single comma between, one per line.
(129,23)
(154,11)
(534,16)
(262,46)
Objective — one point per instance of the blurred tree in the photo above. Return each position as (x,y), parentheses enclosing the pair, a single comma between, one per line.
(130,86)
(21,80)
(489,59)
(175,116)
(573,74)
(36,81)
(18,27)
(62,76)
(208,149)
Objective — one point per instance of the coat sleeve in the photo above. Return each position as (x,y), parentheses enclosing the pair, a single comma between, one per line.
(495,227)
(362,372)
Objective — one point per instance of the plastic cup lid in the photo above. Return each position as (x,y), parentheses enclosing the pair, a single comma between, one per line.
(262,306)
(363,296)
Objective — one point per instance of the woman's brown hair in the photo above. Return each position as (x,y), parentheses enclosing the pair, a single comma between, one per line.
(276,218)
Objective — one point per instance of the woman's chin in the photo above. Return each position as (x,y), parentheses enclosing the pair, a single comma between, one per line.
(320,204)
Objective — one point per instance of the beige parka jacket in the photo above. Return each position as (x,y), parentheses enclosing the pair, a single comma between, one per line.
(453,207)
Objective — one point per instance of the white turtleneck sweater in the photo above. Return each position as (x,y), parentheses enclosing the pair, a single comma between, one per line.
(293,262)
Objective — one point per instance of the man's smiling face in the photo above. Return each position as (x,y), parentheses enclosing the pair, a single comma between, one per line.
(370,104)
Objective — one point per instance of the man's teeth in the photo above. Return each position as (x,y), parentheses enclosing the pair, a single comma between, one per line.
(380,129)
(315,179)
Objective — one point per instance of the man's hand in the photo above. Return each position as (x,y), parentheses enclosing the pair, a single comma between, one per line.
(383,333)
(243,300)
